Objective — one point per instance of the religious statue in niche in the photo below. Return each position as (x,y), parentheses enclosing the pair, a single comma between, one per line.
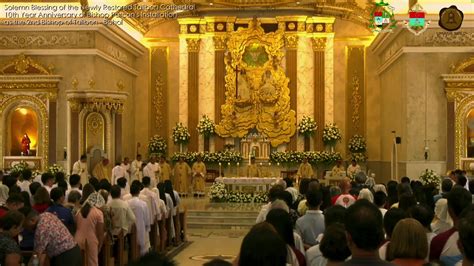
(25,145)
(257,93)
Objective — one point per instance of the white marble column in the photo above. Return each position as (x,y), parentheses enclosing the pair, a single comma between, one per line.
(206,86)
(305,91)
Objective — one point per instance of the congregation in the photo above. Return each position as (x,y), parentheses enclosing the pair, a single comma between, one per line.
(54,220)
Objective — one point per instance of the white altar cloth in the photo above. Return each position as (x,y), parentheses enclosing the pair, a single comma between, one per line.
(238,183)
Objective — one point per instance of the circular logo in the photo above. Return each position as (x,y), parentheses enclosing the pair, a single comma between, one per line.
(220,26)
(192,28)
(450,18)
(291,26)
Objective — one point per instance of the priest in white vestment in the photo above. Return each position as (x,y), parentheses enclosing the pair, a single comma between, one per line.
(117,172)
(80,168)
(126,167)
(152,170)
(136,169)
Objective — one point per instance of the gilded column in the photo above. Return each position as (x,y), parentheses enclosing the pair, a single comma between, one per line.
(291,45)
(355,91)
(193,45)
(52,129)
(206,87)
(319,47)
(118,137)
(219,84)
(73,136)
(159,90)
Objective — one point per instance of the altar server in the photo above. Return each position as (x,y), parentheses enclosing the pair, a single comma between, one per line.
(199,177)
(181,174)
(80,168)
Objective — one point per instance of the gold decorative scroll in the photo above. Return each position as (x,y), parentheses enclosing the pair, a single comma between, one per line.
(257,93)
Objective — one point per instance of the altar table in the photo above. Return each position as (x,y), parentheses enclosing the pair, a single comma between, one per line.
(247,184)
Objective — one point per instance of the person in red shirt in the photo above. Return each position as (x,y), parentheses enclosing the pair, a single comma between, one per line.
(14,202)
(345,199)
(42,200)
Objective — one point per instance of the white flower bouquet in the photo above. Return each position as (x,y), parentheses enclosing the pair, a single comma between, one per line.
(307,126)
(357,144)
(359,156)
(314,157)
(181,134)
(210,157)
(54,169)
(19,167)
(206,126)
(331,134)
(218,192)
(430,177)
(157,146)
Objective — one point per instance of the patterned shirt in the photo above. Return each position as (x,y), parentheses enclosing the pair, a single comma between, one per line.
(52,236)
(7,246)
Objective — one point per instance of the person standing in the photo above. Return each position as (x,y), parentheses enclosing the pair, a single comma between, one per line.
(199,177)
(90,227)
(152,170)
(118,172)
(181,174)
(136,169)
(338,169)
(305,170)
(126,167)
(80,168)
(165,169)
(140,210)
(102,170)
(252,169)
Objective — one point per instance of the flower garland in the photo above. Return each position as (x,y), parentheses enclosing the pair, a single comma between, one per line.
(219,193)
(331,134)
(307,126)
(157,146)
(429,177)
(209,157)
(314,157)
(54,169)
(206,126)
(181,134)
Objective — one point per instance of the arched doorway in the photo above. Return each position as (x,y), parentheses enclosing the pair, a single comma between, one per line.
(23,126)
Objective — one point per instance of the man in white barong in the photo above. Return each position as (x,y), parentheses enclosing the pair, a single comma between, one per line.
(126,167)
(80,168)
(152,170)
(142,222)
(117,172)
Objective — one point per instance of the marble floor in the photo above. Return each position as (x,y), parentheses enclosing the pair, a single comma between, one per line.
(206,244)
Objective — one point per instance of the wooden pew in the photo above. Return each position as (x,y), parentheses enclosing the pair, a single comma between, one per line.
(177,227)
(134,251)
(106,258)
(120,245)
(168,226)
(163,234)
(154,240)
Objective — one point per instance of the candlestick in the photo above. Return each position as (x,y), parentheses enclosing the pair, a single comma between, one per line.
(238,169)
(220,169)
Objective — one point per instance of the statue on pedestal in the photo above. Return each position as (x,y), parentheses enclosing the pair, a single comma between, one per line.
(25,145)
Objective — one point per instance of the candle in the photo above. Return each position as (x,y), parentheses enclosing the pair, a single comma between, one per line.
(220,169)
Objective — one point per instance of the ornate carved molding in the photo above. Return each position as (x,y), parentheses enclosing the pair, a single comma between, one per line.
(99,101)
(24,65)
(220,42)
(444,38)
(158,100)
(356,101)
(46,40)
(319,44)
(193,45)
(95,123)
(117,53)
(291,41)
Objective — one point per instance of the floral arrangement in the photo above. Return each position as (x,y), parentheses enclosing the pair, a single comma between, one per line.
(19,167)
(314,157)
(307,126)
(429,177)
(54,169)
(359,156)
(206,126)
(357,144)
(181,134)
(219,193)
(210,157)
(331,134)
(157,146)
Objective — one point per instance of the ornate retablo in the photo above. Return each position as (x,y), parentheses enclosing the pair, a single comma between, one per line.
(257,93)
